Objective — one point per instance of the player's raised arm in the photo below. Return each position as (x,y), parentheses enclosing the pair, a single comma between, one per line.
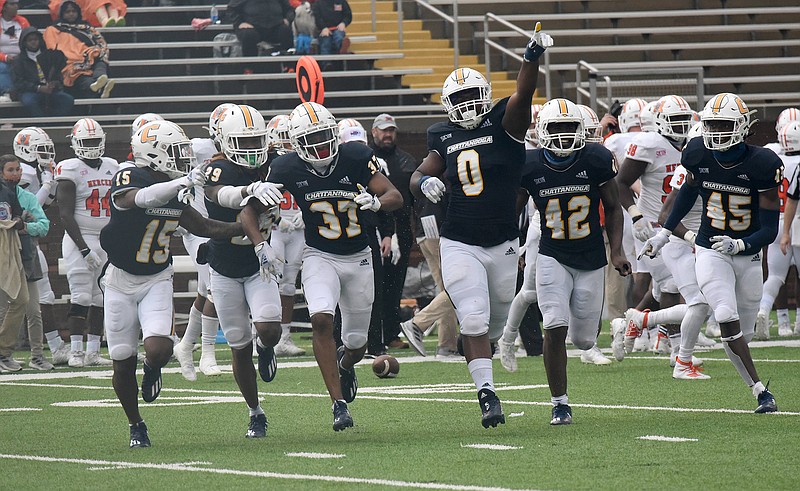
(518,111)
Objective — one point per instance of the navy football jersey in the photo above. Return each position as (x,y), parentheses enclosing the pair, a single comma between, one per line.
(568,200)
(137,240)
(483,170)
(730,194)
(333,220)
(235,257)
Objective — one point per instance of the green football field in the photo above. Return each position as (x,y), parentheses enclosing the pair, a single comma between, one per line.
(634,428)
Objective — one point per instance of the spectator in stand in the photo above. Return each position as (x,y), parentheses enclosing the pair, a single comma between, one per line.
(255,21)
(86,73)
(37,77)
(99,13)
(332,17)
(11,26)
(304,28)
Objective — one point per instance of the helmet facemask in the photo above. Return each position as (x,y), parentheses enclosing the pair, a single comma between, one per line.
(246,150)
(562,138)
(468,106)
(318,146)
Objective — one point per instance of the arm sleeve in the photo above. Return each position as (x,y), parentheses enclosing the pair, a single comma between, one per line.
(764,235)
(683,204)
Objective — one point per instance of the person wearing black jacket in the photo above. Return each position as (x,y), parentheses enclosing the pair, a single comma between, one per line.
(262,20)
(332,17)
(37,77)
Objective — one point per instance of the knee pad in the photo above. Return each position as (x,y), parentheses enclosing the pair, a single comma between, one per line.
(287,289)
(581,341)
(78,311)
(354,340)
(725,314)
(528,295)
(238,338)
(582,300)
(474,325)
(121,352)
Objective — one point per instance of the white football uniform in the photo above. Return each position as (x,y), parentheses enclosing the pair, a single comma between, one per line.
(616,143)
(92,213)
(235,298)
(331,279)
(481,282)
(527,293)
(30,181)
(288,246)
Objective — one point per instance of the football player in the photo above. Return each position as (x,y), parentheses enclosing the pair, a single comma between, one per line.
(791,134)
(203,320)
(83,191)
(739,186)
(236,285)
(480,152)
(148,202)
(568,179)
(331,183)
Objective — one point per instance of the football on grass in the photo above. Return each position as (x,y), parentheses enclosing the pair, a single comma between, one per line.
(386,366)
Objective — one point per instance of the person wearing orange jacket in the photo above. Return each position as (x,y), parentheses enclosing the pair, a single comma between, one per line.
(99,13)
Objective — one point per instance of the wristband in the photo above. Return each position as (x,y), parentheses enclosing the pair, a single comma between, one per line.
(532,53)
(421,180)
(689,236)
(635,214)
(85,252)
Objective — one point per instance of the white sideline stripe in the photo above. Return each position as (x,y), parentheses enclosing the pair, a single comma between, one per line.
(235,472)
(315,455)
(18,409)
(660,438)
(490,446)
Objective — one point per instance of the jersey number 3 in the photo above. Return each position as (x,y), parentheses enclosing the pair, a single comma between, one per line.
(333,228)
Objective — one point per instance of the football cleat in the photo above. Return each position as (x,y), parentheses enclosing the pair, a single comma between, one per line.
(414,336)
(562,415)
(687,371)
(208,365)
(696,362)
(139,436)
(492,412)
(762,326)
(766,402)
(183,352)
(258,426)
(93,359)
(797,327)
(618,338)
(151,383)
(341,416)
(712,328)
(594,356)
(286,347)
(347,378)
(642,343)
(61,355)
(76,359)
(784,329)
(636,323)
(662,344)
(508,357)
(704,341)
(267,364)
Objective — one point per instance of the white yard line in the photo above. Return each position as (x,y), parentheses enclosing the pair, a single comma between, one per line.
(661,438)
(180,467)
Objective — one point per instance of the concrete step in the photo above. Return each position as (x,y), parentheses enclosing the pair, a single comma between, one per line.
(392,44)
(365,27)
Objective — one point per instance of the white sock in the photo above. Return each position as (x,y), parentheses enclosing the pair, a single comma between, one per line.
(286,330)
(783,316)
(209,333)
(515,315)
(92,343)
(670,315)
(559,400)
(54,341)
(758,388)
(255,411)
(481,371)
(797,316)
(675,344)
(193,328)
(690,330)
(76,342)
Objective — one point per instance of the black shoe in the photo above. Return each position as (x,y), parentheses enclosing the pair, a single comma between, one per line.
(490,407)
(258,426)
(267,363)
(139,437)
(151,383)
(347,378)
(341,416)
(562,415)
(766,402)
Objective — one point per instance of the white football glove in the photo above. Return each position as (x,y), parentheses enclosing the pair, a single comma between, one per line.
(432,188)
(297,221)
(92,260)
(643,229)
(186,195)
(366,200)
(654,244)
(286,226)
(395,250)
(725,245)
(267,261)
(196,177)
(538,44)
(268,193)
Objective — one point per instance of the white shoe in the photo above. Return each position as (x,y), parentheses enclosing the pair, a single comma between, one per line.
(705,342)
(594,356)
(618,338)
(94,359)
(642,342)
(697,362)
(5,97)
(286,347)
(762,326)
(684,371)
(414,336)
(61,355)
(508,357)
(184,357)
(784,329)
(76,359)
(661,345)
(712,329)
(208,365)
(635,329)
(797,328)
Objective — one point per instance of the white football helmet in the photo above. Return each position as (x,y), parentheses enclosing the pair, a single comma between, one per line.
(673,117)
(163,146)
(697,130)
(629,117)
(314,135)
(647,117)
(142,120)
(467,97)
(591,124)
(785,117)
(278,134)
(243,136)
(531,136)
(560,127)
(32,144)
(789,137)
(217,115)
(88,139)
(726,121)
(351,130)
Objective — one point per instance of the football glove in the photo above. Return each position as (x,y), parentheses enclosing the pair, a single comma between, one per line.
(267,261)
(196,177)
(654,244)
(92,259)
(643,229)
(395,250)
(432,188)
(297,221)
(538,44)
(366,200)
(268,193)
(726,245)
(186,195)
